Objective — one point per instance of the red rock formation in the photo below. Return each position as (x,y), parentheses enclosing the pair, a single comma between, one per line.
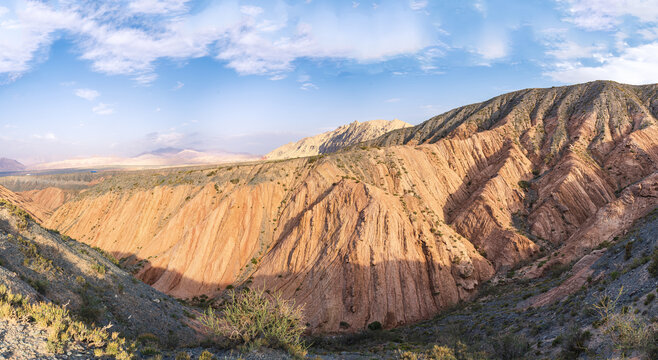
(397,229)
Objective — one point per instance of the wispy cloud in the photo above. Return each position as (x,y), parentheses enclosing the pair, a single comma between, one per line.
(417,4)
(607,14)
(392,100)
(87,94)
(308,86)
(103,109)
(635,65)
(178,86)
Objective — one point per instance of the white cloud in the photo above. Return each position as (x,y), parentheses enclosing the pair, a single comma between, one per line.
(127,38)
(178,86)
(47,136)
(492,45)
(355,4)
(171,138)
(278,77)
(308,86)
(563,49)
(607,14)
(392,100)
(87,94)
(417,4)
(251,10)
(157,6)
(103,109)
(635,65)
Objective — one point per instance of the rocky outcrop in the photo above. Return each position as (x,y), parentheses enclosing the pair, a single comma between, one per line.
(335,140)
(398,228)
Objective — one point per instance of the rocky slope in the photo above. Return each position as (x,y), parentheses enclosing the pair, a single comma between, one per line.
(332,141)
(45,266)
(398,228)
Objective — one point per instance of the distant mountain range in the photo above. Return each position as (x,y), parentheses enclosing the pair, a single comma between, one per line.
(160,157)
(10,165)
(332,141)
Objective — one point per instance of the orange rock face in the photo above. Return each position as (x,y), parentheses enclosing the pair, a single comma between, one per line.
(396,231)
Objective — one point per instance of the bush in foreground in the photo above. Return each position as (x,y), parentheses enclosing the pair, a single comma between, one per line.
(253,319)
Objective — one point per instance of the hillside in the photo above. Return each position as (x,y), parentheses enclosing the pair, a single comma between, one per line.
(7,165)
(397,229)
(46,266)
(332,141)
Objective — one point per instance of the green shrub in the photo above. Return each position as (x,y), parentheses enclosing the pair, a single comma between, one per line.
(375,326)
(653,267)
(252,319)
(62,329)
(510,346)
(442,353)
(206,355)
(628,331)
(182,356)
(575,343)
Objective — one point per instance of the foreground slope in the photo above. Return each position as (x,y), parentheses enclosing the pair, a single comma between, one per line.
(48,267)
(399,228)
(335,140)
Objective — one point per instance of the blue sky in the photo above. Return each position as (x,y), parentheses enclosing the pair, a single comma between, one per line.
(83,78)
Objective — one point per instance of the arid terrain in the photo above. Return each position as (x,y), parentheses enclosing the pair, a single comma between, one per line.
(502,212)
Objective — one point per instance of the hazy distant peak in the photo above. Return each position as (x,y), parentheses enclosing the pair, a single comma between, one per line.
(10,165)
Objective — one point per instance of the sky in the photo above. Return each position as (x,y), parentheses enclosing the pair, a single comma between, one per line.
(98,78)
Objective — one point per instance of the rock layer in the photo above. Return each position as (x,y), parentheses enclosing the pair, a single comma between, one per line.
(395,229)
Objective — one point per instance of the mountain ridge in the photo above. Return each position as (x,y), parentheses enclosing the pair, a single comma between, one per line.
(426,211)
(334,140)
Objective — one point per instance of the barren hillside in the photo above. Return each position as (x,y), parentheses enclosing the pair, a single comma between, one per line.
(401,227)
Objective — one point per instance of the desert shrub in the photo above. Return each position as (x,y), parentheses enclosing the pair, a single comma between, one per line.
(442,353)
(653,267)
(628,251)
(206,355)
(375,326)
(524,185)
(107,255)
(62,329)
(253,319)
(182,356)
(628,331)
(510,346)
(100,268)
(575,343)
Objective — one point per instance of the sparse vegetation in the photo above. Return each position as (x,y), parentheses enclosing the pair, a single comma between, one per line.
(253,319)
(62,329)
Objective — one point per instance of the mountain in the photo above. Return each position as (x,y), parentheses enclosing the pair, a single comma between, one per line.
(332,141)
(401,227)
(158,158)
(10,165)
